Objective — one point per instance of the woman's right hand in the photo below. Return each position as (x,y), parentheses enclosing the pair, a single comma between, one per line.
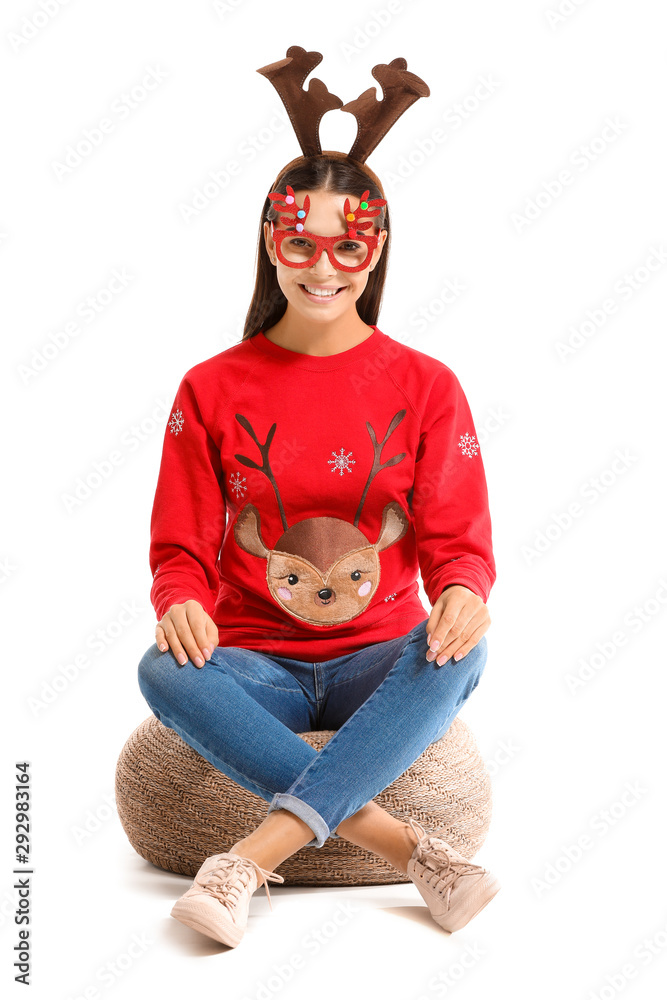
(190,632)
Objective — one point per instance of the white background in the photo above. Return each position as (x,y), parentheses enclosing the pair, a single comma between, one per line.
(552,429)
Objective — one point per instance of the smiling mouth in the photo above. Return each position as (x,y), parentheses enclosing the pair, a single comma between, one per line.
(321,292)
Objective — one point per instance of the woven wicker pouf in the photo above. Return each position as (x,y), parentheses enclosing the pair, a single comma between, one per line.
(177,809)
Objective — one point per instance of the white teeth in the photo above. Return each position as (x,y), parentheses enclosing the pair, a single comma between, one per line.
(320,291)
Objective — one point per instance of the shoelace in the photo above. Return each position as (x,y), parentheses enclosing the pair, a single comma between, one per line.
(429,847)
(220,884)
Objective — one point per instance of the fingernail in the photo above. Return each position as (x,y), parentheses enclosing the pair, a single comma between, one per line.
(182,658)
(162,647)
(435,644)
(457,656)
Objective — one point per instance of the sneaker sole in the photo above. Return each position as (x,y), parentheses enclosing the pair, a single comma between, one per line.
(224,934)
(487,891)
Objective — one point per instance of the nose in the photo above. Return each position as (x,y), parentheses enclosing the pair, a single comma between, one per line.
(327,265)
(325,594)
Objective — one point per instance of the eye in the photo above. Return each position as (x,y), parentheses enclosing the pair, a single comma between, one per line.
(292,579)
(356,575)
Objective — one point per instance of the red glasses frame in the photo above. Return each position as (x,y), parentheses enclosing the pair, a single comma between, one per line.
(325,242)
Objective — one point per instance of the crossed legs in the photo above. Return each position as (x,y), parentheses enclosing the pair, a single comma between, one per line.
(282,833)
(243,713)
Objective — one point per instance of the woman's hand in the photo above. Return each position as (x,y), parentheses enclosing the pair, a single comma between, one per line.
(189,630)
(457,622)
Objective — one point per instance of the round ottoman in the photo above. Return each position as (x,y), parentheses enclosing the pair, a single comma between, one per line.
(177,809)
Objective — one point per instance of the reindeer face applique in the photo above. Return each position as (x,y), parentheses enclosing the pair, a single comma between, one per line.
(322,570)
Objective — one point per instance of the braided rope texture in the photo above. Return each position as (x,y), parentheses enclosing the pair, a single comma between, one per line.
(177,809)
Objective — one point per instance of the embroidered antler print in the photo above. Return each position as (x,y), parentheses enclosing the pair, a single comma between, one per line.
(322,570)
(377,451)
(265,467)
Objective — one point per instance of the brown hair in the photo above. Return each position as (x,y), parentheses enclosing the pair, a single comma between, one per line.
(328,171)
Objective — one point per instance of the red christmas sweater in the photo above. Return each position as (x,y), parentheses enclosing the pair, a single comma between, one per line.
(299,496)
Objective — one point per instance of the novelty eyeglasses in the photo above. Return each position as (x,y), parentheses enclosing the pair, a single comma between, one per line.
(351,251)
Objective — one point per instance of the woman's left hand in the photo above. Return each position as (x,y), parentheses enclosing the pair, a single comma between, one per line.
(457,622)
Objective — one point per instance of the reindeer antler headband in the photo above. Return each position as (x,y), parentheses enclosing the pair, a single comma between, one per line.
(306,108)
(400,89)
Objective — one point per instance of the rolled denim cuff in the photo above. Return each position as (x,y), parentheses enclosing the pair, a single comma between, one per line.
(281,800)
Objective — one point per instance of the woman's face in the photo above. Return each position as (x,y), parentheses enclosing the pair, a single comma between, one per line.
(325,218)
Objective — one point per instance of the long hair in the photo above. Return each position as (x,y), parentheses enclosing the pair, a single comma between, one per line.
(329,171)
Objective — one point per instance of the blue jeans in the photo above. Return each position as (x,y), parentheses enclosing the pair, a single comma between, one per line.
(243,710)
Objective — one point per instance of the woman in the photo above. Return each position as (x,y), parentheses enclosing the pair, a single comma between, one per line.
(307,474)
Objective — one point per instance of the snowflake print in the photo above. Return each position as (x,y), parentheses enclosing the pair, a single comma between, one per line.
(176,422)
(341,462)
(237,482)
(391,597)
(468,445)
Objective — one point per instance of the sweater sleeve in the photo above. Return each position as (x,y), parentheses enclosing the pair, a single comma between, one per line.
(188,517)
(449,496)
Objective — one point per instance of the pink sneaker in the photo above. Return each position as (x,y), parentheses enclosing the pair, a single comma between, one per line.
(217,902)
(453,888)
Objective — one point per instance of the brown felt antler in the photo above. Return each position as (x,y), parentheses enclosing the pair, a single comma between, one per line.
(400,89)
(305,107)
